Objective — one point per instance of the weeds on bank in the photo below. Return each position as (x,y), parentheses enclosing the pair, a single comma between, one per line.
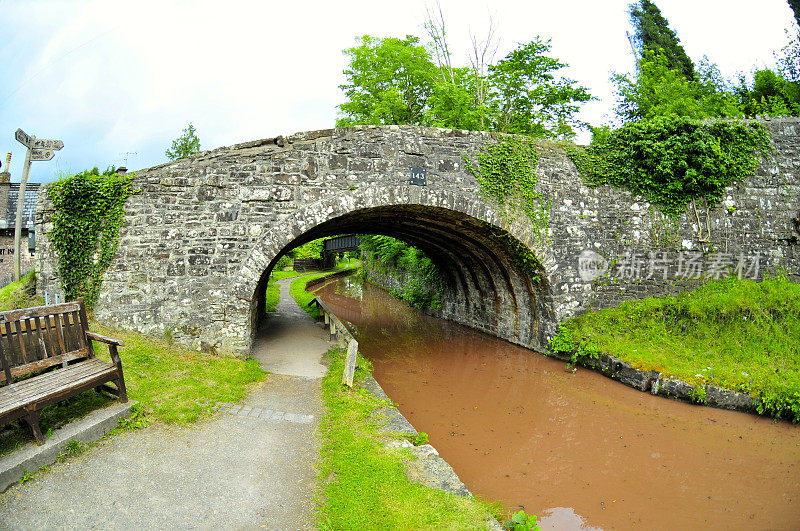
(736,334)
(362,483)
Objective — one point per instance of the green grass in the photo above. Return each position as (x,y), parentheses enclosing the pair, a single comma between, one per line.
(178,385)
(20,294)
(737,334)
(362,483)
(273,295)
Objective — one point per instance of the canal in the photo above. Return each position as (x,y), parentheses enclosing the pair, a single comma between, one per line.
(576,448)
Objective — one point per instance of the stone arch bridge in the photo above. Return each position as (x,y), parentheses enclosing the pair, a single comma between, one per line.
(201,238)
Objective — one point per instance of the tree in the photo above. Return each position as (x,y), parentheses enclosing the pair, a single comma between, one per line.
(652,32)
(395,81)
(389,82)
(185,145)
(525,97)
(795,5)
(659,91)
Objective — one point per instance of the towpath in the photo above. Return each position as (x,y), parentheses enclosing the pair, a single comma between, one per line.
(249,466)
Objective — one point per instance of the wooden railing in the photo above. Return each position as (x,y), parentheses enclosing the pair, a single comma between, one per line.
(344,337)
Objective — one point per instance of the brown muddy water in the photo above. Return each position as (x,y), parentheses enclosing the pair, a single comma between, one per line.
(578,449)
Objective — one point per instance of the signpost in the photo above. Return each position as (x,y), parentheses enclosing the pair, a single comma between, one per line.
(38,149)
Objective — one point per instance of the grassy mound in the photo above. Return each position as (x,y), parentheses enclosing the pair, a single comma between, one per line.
(737,334)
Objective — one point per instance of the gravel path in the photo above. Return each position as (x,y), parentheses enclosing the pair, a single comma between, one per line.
(247,467)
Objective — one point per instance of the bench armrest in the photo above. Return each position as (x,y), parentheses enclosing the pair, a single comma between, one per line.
(104,339)
(112,346)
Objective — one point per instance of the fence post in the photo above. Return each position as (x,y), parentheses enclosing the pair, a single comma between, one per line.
(350,363)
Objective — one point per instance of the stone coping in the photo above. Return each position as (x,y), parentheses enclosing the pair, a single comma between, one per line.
(89,429)
(656,384)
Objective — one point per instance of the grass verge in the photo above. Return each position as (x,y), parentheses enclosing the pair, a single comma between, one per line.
(362,483)
(20,294)
(736,334)
(273,295)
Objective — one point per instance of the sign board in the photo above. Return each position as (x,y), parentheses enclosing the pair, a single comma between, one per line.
(23,138)
(46,143)
(418,177)
(42,154)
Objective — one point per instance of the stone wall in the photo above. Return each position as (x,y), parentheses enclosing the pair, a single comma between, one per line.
(204,232)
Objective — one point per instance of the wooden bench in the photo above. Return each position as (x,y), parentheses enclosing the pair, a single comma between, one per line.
(48,356)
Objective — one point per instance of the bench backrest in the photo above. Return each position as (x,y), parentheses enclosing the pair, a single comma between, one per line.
(34,339)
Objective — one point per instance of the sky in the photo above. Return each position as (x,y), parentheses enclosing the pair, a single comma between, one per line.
(119,81)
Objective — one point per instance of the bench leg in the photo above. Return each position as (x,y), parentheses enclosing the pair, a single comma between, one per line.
(123,393)
(32,418)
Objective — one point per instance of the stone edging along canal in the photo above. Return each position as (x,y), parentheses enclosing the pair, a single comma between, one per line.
(428,468)
(655,383)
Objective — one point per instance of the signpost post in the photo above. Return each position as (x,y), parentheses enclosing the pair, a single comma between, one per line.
(38,149)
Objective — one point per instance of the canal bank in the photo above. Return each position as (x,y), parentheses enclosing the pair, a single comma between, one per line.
(571,446)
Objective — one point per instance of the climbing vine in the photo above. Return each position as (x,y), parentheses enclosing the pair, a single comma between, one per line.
(89,210)
(674,161)
(507,171)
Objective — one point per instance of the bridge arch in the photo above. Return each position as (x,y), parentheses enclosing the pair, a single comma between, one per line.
(486,288)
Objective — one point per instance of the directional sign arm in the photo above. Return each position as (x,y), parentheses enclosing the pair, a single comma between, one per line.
(23,138)
(46,143)
(42,154)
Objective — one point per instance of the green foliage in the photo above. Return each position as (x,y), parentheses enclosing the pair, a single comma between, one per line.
(89,210)
(312,249)
(185,145)
(138,419)
(698,394)
(657,90)
(526,98)
(522,522)
(506,172)
(736,334)
(26,476)
(421,279)
(389,81)
(771,94)
(673,161)
(74,448)
(394,81)
(419,439)
(652,33)
(362,482)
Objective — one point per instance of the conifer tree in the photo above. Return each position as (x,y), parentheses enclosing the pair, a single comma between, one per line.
(652,32)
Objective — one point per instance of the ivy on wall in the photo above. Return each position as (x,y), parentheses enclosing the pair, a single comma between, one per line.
(507,171)
(89,210)
(674,161)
